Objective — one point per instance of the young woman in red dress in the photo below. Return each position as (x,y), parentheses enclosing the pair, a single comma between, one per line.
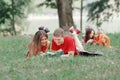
(40,42)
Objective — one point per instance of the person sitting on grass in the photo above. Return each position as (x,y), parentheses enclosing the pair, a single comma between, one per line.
(64,43)
(102,39)
(40,42)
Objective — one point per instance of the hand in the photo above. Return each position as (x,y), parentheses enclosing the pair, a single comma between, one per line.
(64,56)
(90,41)
(52,53)
(43,54)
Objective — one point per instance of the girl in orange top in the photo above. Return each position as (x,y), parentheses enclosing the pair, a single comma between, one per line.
(40,42)
(102,39)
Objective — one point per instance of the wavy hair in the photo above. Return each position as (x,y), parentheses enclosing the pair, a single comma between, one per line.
(87,34)
(36,42)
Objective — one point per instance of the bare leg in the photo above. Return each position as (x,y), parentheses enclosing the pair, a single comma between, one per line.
(77,42)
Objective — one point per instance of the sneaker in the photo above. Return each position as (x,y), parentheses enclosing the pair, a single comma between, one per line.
(71,30)
(77,31)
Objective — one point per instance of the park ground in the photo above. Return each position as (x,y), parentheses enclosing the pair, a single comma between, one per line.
(14,65)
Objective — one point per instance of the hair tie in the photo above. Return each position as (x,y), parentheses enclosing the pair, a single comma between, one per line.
(44,29)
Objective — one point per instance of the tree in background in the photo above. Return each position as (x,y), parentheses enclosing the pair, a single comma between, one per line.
(10,10)
(4,11)
(64,8)
(102,10)
(65,13)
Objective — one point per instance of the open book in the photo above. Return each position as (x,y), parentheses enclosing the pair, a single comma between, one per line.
(51,53)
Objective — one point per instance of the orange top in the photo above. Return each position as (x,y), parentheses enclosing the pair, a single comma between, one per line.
(102,40)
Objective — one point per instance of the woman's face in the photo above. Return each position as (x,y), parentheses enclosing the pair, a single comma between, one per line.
(100,32)
(91,34)
(44,40)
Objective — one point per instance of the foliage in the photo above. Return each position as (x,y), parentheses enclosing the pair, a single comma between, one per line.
(12,9)
(6,9)
(14,65)
(64,8)
(52,4)
(48,3)
(101,10)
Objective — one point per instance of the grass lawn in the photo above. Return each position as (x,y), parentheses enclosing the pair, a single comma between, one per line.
(14,65)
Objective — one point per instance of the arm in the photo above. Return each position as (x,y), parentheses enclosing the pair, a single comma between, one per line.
(83,39)
(54,47)
(107,41)
(90,41)
(70,47)
(70,54)
(48,46)
(31,50)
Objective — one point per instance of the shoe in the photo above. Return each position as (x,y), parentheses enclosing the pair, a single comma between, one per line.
(77,31)
(71,30)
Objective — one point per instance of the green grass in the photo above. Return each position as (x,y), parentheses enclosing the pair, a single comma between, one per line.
(14,65)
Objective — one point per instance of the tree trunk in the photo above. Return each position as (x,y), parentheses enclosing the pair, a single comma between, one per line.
(65,13)
(13,20)
(81,14)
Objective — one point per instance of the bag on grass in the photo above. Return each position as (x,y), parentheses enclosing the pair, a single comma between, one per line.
(91,53)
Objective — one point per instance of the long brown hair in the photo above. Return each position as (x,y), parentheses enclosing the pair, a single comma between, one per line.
(35,43)
(87,34)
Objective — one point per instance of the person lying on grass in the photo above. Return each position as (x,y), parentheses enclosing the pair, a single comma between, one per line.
(102,39)
(40,42)
(89,36)
(78,43)
(65,43)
